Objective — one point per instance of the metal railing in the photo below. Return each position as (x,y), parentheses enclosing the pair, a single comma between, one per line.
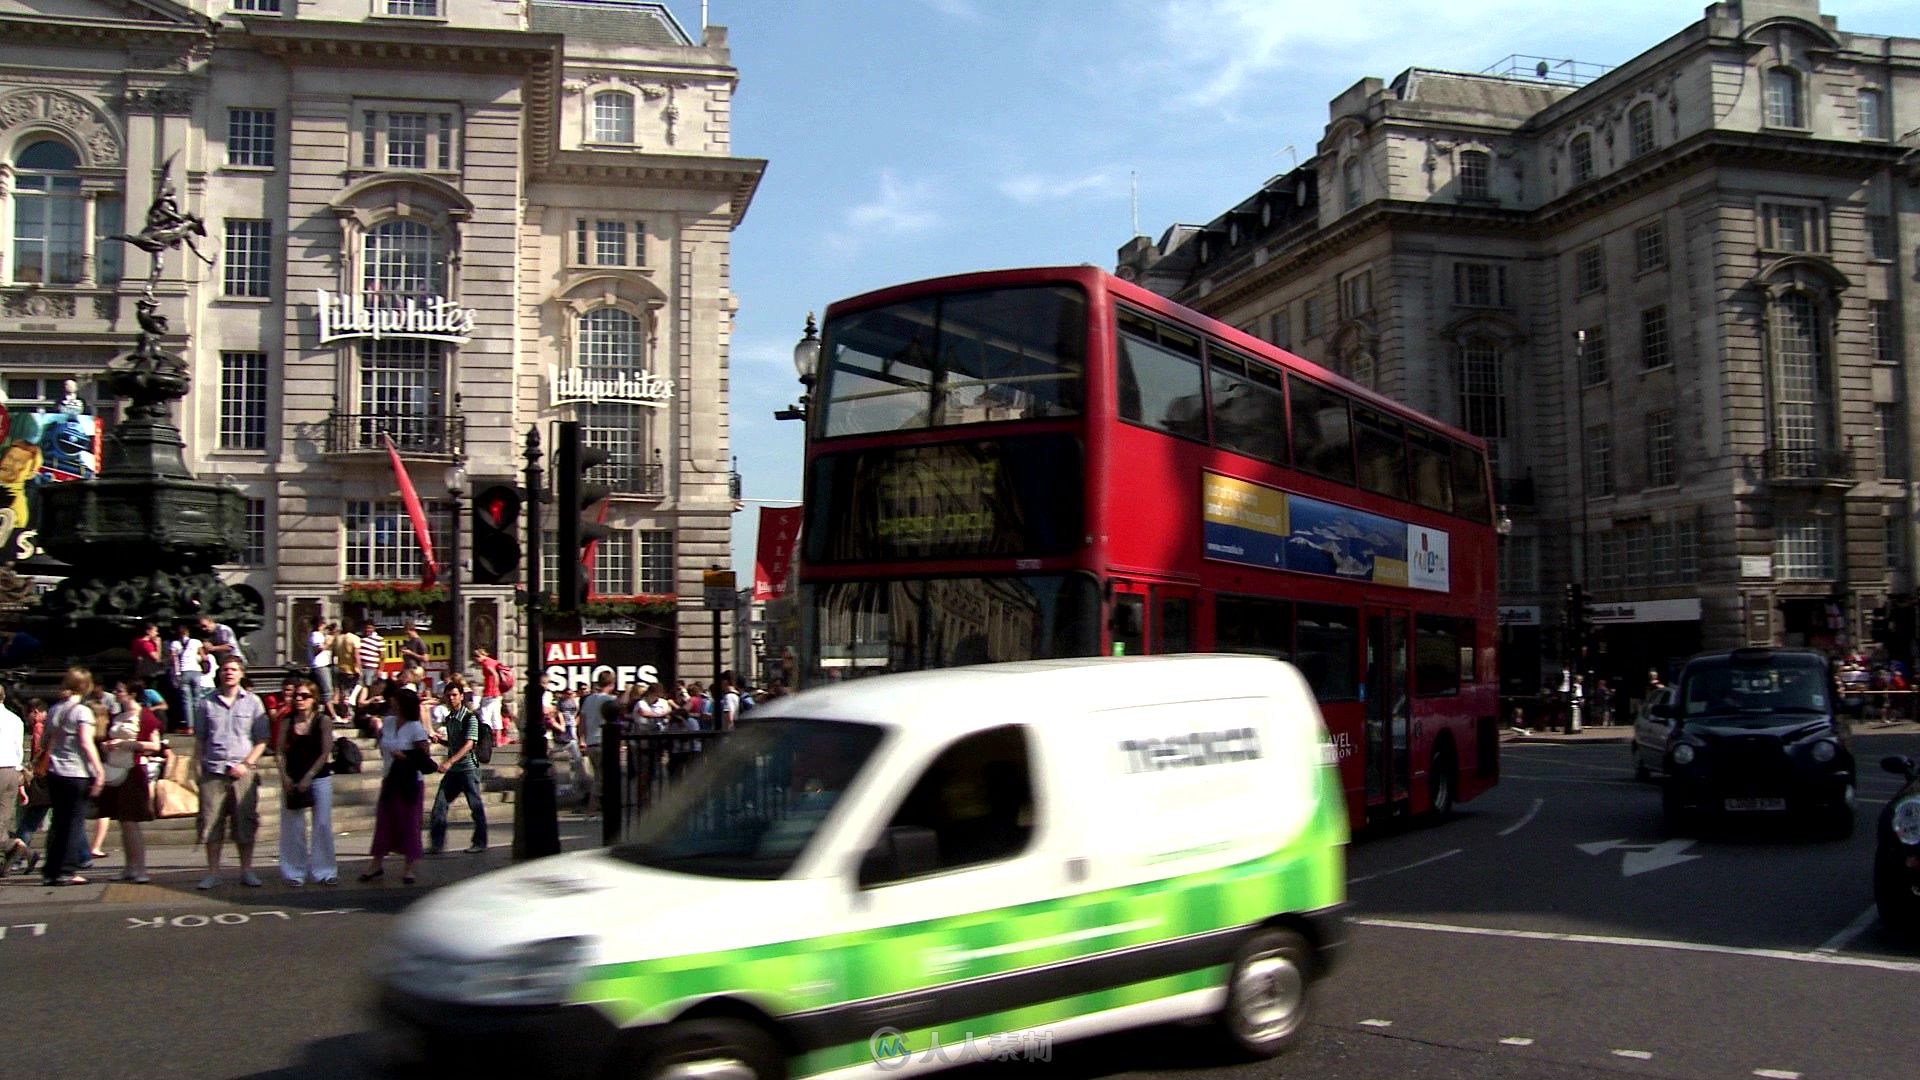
(640,768)
(423,433)
(1815,463)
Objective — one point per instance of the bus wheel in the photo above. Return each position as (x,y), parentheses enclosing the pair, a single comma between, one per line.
(1267,993)
(719,1047)
(1440,777)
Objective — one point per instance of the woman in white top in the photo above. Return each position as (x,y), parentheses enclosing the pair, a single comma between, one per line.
(74,775)
(320,647)
(403,745)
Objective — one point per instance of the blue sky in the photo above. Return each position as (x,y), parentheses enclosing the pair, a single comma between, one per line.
(911,138)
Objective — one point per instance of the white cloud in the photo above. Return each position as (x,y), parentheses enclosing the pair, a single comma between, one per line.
(956,9)
(900,209)
(1030,188)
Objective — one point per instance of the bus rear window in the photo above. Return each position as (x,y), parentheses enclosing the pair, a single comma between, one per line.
(1322,431)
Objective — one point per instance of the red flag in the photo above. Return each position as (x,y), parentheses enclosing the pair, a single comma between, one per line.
(592,552)
(430,569)
(779,529)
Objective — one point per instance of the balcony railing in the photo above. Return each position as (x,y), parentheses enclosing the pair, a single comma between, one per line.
(1513,491)
(431,434)
(1808,464)
(646,481)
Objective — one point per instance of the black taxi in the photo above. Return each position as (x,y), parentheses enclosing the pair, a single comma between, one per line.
(1759,733)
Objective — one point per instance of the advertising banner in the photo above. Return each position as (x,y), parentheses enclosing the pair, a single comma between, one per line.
(579,662)
(1256,525)
(773,561)
(43,446)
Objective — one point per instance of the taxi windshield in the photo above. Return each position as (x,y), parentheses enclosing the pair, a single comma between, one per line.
(751,809)
(1724,691)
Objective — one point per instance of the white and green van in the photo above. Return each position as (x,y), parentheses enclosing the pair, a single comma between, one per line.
(894,874)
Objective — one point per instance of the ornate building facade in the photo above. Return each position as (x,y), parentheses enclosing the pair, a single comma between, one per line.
(431,225)
(1671,294)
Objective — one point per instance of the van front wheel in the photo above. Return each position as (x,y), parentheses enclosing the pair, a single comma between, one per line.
(1267,993)
(712,1048)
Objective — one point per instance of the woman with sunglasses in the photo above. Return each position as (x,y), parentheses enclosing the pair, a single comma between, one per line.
(306,785)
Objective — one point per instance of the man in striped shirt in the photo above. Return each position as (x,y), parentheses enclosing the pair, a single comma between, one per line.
(372,649)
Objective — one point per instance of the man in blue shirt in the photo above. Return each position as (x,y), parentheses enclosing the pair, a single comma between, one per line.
(230,735)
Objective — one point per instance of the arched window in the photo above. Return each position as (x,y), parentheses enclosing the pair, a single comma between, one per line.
(1474,175)
(610,344)
(1360,368)
(1784,105)
(613,117)
(1351,174)
(1640,137)
(49,215)
(1582,153)
(403,258)
(1873,118)
(1802,403)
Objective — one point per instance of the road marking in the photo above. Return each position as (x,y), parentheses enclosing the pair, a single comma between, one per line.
(1643,858)
(1637,1055)
(1569,780)
(1834,959)
(1409,866)
(1515,1040)
(1376,1023)
(1777,1074)
(225,918)
(33,929)
(1523,822)
(1854,929)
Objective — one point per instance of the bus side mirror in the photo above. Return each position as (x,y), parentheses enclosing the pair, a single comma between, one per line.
(903,851)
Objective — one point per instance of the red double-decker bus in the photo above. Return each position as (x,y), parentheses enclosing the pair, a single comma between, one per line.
(1054,462)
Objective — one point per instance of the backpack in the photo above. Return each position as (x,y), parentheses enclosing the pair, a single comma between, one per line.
(346,755)
(505,675)
(484,751)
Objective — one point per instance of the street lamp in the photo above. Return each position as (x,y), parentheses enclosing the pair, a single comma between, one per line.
(806,361)
(456,489)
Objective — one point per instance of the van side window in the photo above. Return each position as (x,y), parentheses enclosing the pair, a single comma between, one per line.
(976,799)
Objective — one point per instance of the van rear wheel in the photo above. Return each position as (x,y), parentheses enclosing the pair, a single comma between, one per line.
(1267,993)
(713,1049)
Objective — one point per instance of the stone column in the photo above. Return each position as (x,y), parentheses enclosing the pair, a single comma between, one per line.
(89,240)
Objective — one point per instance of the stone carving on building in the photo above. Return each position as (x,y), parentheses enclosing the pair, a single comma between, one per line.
(36,305)
(106,307)
(161,100)
(83,122)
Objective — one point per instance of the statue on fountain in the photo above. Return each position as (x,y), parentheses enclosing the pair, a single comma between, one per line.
(150,372)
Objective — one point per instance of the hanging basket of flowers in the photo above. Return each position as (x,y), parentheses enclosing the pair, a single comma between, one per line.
(392,595)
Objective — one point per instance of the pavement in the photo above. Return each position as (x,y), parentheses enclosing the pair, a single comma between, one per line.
(1605,733)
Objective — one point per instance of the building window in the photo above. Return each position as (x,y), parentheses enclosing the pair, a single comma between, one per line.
(656,561)
(1655,348)
(1886,346)
(611,344)
(1478,284)
(249,252)
(1604,549)
(1589,270)
(1890,427)
(1582,158)
(1880,244)
(49,216)
(1475,174)
(1361,369)
(1310,317)
(1686,550)
(403,258)
(269,7)
(1649,247)
(1282,329)
(250,137)
(380,545)
(243,401)
(1660,460)
(255,552)
(1792,227)
(1633,564)
(410,139)
(1356,294)
(1807,547)
(1873,118)
(609,242)
(613,117)
(1351,173)
(1519,565)
(1660,561)
(1483,396)
(613,564)
(401,393)
(1800,375)
(414,8)
(1784,108)
(1897,533)
(1640,138)
(1599,460)
(1593,356)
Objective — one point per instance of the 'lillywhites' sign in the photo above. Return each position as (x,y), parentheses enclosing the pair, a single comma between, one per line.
(573,386)
(344,316)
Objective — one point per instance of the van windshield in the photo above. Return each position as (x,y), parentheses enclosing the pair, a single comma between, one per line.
(752,807)
(1728,692)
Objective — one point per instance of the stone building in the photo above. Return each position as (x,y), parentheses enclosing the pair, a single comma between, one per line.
(435,223)
(1671,294)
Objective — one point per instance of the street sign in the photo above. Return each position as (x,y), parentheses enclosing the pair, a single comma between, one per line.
(720,590)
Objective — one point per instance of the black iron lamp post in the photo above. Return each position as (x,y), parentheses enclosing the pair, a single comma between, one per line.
(806,361)
(456,491)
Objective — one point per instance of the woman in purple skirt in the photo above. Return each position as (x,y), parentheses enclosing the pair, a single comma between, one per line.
(403,743)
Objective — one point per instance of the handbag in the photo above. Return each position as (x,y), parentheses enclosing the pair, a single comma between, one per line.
(177,793)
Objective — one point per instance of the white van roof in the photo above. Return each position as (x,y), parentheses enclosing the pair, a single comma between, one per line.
(965,698)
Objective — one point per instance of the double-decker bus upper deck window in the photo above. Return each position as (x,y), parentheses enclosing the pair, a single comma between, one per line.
(1326,649)
(961,358)
(1159,377)
(1249,406)
(1322,430)
(1430,461)
(1382,444)
(1470,484)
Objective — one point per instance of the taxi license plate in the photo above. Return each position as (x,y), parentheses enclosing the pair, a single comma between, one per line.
(1756,804)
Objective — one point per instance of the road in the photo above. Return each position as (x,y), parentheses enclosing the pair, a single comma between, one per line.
(1551,931)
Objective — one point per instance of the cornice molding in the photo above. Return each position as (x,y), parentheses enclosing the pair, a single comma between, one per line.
(740,176)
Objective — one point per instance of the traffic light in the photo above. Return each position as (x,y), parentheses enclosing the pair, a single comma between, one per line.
(496,536)
(1579,620)
(572,460)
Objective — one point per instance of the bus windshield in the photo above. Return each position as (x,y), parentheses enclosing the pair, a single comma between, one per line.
(957,358)
(876,627)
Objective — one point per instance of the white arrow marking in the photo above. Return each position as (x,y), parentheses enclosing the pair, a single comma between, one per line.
(1642,858)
